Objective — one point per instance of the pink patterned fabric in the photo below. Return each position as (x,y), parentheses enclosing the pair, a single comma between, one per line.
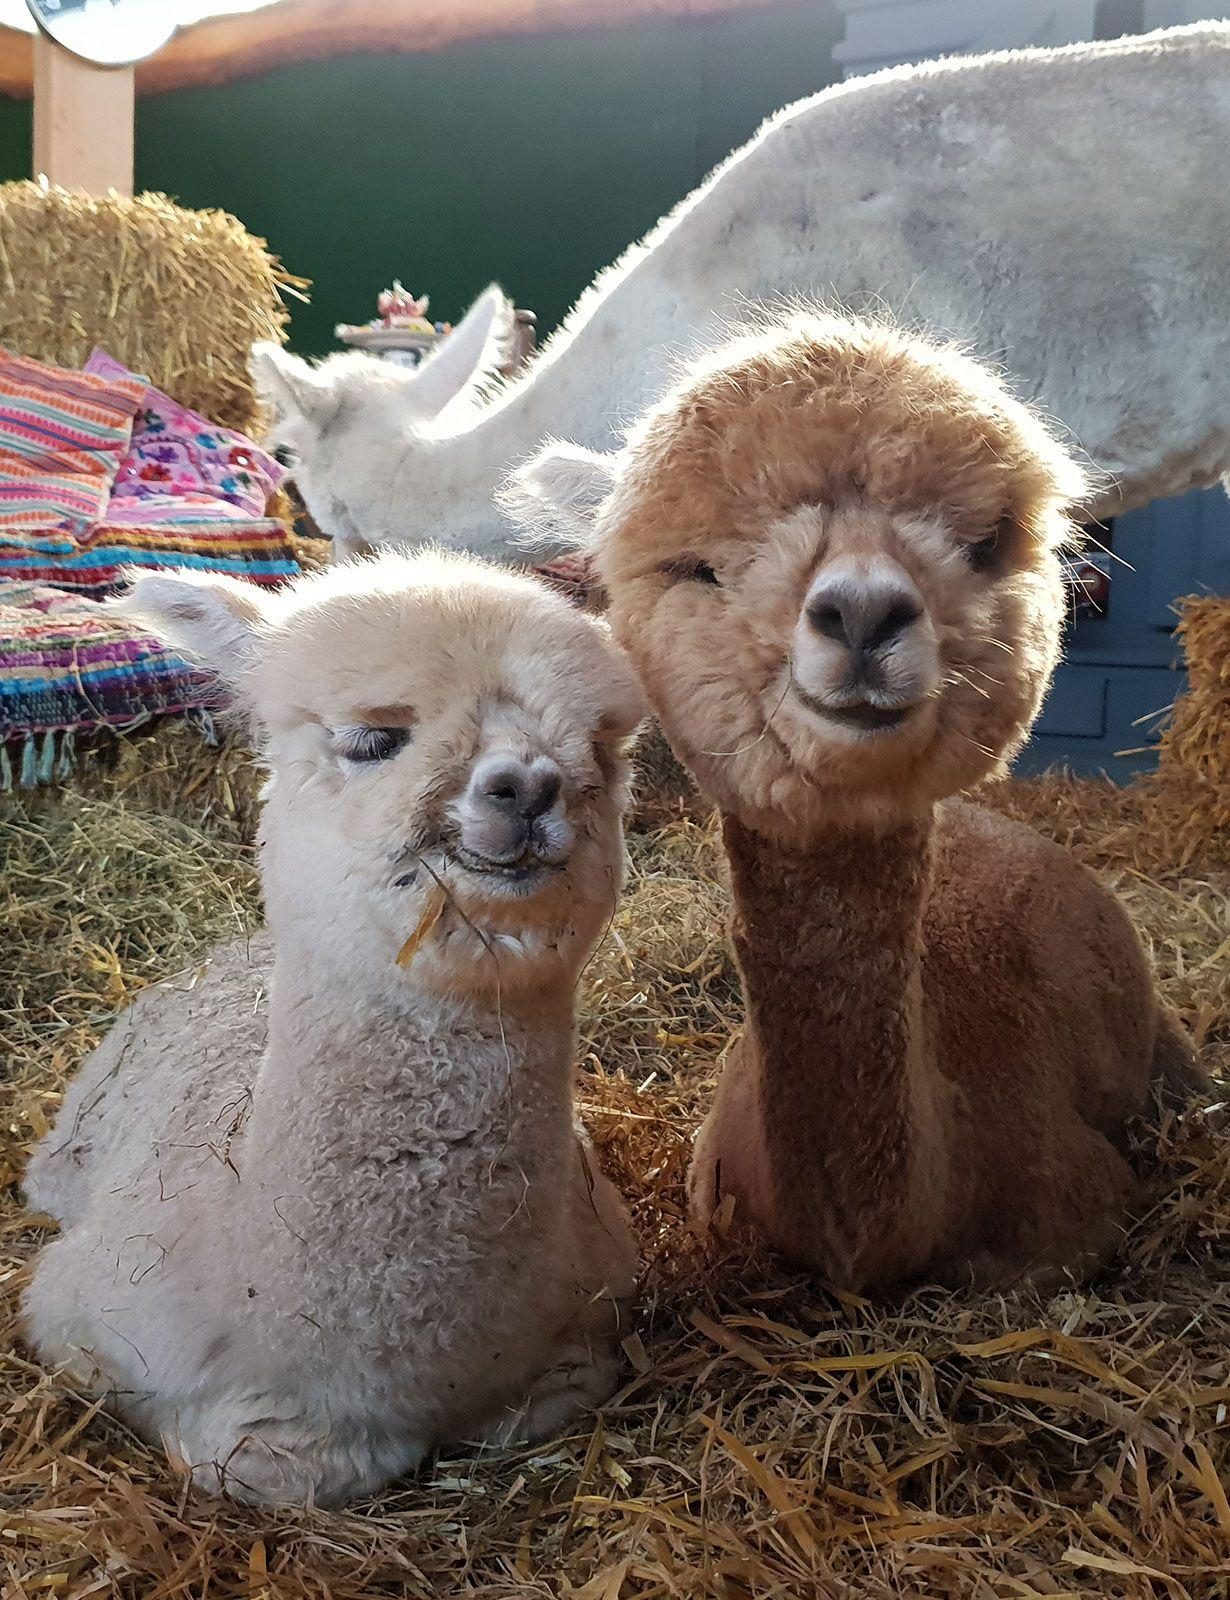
(63,435)
(182,507)
(181,467)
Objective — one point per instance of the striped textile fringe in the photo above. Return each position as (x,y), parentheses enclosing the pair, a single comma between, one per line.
(38,760)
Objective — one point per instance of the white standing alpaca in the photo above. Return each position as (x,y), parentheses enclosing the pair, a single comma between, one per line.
(324,1204)
(1064,212)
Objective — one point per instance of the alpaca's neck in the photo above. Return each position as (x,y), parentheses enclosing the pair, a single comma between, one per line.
(616,347)
(367,1079)
(829,942)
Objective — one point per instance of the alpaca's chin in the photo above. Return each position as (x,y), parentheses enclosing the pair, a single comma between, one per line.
(859,745)
(520,884)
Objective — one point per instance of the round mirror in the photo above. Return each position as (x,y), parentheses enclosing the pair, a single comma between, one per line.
(111,33)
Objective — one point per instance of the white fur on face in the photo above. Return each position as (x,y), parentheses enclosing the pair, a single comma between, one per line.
(396,722)
(354,422)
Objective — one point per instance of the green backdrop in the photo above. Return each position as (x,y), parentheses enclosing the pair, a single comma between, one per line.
(533,161)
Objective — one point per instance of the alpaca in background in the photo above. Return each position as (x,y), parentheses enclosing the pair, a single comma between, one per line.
(1064,212)
(325,1206)
(831,553)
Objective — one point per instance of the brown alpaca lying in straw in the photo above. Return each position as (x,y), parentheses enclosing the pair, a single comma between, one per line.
(833,556)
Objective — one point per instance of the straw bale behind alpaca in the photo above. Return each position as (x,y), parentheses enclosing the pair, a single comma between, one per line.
(178,295)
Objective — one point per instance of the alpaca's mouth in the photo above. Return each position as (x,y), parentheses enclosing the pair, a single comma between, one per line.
(526,870)
(861,714)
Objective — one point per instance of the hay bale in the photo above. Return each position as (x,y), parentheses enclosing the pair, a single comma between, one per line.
(175,294)
(1194,762)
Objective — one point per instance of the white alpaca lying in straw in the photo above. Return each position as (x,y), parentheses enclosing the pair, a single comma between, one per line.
(1066,212)
(325,1206)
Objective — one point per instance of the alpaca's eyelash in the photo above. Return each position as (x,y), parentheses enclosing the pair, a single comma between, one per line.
(690,569)
(370,744)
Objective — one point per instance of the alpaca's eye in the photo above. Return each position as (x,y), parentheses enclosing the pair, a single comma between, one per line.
(983,554)
(371,744)
(690,569)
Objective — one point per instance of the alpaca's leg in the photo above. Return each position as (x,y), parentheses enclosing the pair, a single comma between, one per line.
(583,1374)
(1073,1222)
(287,1456)
(728,1157)
(603,1247)
(597,1282)
(1176,1075)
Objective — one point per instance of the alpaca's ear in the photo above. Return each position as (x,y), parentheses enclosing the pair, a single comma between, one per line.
(296,391)
(626,706)
(216,620)
(556,495)
(471,355)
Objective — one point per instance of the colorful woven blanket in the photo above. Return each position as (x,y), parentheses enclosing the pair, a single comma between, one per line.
(89,561)
(62,437)
(67,665)
(179,462)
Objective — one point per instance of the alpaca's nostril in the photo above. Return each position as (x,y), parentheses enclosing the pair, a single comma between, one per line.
(502,787)
(828,622)
(523,789)
(900,615)
(862,617)
(543,790)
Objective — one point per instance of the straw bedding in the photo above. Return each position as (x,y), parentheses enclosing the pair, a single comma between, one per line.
(771,1439)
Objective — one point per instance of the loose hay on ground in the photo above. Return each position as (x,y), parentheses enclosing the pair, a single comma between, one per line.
(771,1439)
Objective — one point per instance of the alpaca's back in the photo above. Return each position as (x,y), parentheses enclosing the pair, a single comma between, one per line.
(1062,213)
(1048,1026)
(167,1083)
(1025,947)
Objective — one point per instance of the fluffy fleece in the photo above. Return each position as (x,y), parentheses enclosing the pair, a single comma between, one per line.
(1064,212)
(324,1210)
(831,553)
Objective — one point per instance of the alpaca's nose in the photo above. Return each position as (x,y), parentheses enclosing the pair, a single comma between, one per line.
(862,616)
(519,788)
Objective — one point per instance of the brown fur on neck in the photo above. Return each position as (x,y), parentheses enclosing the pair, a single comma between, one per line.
(829,942)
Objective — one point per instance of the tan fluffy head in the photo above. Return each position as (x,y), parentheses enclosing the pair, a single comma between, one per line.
(832,555)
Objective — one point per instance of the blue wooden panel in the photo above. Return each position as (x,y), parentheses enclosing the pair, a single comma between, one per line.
(1138,703)
(1076,706)
(1117,675)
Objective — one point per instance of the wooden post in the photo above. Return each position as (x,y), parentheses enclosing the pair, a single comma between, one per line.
(83,120)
